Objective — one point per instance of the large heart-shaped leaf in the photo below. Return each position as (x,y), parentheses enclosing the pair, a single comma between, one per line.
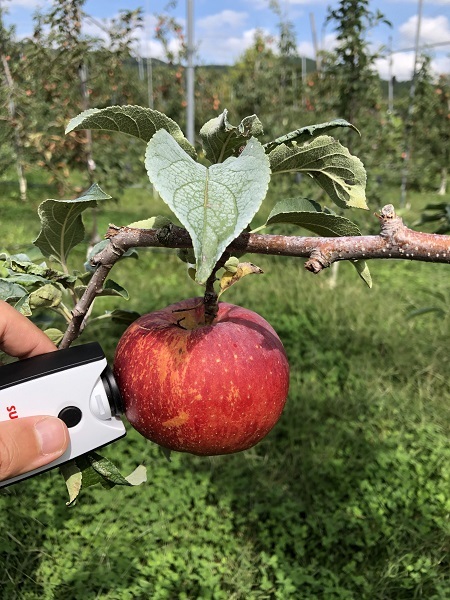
(338,172)
(307,133)
(215,204)
(221,139)
(61,223)
(137,121)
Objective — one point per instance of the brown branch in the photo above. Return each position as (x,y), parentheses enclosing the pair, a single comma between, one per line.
(395,241)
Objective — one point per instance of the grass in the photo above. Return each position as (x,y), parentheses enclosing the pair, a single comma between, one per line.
(347,498)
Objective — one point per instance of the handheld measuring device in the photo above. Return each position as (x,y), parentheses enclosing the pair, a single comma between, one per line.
(75,384)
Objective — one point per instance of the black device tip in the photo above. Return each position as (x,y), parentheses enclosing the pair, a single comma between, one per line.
(112,392)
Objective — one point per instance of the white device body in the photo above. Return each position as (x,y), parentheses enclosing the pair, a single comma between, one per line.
(74,391)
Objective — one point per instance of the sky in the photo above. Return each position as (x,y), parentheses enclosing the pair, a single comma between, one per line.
(224,29)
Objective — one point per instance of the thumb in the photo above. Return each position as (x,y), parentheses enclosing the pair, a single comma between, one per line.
(30,442)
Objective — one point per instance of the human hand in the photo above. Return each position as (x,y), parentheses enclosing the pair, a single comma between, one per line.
(29,442)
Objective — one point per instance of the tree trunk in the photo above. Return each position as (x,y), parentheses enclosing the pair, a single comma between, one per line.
(17,143)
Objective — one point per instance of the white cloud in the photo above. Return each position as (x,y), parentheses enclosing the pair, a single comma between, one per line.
(402,66)
(306,48)
(225,49)
(432,30)
(226,18)
(441,65)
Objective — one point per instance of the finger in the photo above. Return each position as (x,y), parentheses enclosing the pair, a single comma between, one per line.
(19,336)
(29,443)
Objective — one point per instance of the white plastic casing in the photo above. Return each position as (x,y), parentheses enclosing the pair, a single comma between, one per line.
(80,387)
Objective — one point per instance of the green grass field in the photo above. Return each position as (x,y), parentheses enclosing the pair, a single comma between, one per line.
(347,498)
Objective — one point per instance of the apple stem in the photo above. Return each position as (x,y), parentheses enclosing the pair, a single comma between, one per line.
(211,299)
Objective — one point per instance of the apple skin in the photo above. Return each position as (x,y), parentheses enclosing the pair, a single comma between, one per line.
(203,389)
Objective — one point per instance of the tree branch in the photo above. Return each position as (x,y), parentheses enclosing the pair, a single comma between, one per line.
(395,241)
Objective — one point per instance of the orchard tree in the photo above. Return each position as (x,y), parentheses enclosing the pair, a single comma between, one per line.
(431,114)
(65,69)
(254,80)
(288,56)
(211,408)
(348,79)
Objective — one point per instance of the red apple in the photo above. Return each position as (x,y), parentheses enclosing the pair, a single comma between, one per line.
(204,389)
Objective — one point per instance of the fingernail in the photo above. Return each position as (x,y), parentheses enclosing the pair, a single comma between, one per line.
(51,433)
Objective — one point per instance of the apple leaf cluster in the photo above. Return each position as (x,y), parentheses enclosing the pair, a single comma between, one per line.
(216,203)
(29,283)
(92,469)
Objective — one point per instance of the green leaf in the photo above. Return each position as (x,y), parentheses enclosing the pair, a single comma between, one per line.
(221,139)
(186,255)
(30,273)
(23,306)
(90,476)
(55,335)
(306,133)
(151,223)
(73,478)
(124,316)
(166,453)
(338,172)
(47,296)
(111,473)
(91,469)
(363,271)
(137,121)
(61,223)
(10,290)
(138,476)
(111,288)
(215,204)
(309,215)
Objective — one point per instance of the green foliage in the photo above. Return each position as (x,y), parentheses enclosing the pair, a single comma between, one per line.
(339,173)
(61,223)
(139,122)
(221,140)
(346,499)
(216,203)
(309,215)
(430,114)
(350,70)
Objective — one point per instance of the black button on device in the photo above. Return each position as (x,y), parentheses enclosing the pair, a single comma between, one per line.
(71,415)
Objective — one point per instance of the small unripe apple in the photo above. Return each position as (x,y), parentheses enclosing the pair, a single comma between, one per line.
(203,389)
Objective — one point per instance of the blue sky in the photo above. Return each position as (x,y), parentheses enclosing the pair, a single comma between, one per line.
(224,29)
